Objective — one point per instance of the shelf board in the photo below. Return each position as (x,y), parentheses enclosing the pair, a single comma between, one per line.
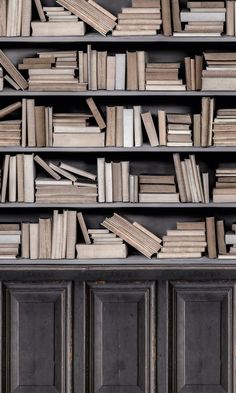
(134,262)
(116,93)
(143,149)
(95,37)
(116,205)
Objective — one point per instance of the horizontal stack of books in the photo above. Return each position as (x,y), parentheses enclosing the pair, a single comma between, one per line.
(58,22)
(224,127)
(69,184)
(163,76)
(220,72)
(10,240)
(50,238)
(10,133)
(157,188)
(230,242)
(53,71)
(203,18)
(179,132)
(192,186)
(188,240)
(193,72)
(225,187)
(142,19)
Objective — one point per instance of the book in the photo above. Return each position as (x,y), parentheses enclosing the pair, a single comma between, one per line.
(12,71)
(83,228)
(61,28)
(128,127)
(150,128)
(101,251)
(29,178)
(211,237)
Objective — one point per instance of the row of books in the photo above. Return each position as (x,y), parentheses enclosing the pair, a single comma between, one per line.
(57,71)
(66,235)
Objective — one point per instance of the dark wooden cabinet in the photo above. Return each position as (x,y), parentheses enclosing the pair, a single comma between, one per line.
(76,330)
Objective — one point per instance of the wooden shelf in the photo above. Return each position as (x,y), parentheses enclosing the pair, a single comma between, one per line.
(117,205)
(95,37)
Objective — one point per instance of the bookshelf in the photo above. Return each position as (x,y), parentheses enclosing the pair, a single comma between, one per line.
(135,300)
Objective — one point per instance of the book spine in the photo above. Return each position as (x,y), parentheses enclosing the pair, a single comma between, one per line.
(211,237)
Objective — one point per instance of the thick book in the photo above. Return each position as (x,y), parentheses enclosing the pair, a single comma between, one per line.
(150,128)
(101,251)
(52,29)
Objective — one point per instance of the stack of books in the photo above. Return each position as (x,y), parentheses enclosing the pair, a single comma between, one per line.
(157,188)
(53,71)
(18,178)
(192,186)
(134,234)
(179,132)
(10,240)
(13,76)
(220,72)
(59,22)
(50,238)
(15,18)
(114,181)
(68,184)
(188,240)
(163,76)
(203,18)
(225,187)
(193,72)
(141,19)
(230,240)
(91,13)
(10,133)
(224,127)
(99,243)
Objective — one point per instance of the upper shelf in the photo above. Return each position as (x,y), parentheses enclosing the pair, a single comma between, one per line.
(119,205)
(116,93)
(94,37)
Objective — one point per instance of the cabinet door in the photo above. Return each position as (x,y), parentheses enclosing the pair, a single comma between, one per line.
(202,335)
(37,338)
(122,338)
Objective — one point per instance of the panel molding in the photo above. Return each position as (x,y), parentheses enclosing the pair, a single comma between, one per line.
(46,306)
(197,300)
(136,304)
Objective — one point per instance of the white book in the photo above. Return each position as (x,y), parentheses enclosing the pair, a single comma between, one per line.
(138,134)
(128,122)
(125,181)
(120,71)
(108,181)
(12,179)
(28,178)
(202,16)
(101,179)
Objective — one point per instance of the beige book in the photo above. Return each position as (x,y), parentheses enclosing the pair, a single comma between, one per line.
(5,178)
(11,82)
(108,182)
(162,127)
(141,69)
(205,121)
(94,82)
(156,188)
(119,126)
(191,184)
(179,176)
(62,172)
(40,10)
(125,181)
(25,240)
(147,232)
(10,109)
(24,122)
(29,174)
(205,179)
(187,62)
(79,140)
(211,237)
(34,240)
(47,168)
(45,238)
(12,71)
(150,128)
(54,234)
(191,225)
(176,15)
(78,171)
(31,125)
(103,10)
(61,28)
(20,177)
(132,71)
(111,126)
(111,72)
(40,131)
(180,249)
(193,74)
(117,181)
(71,235)
(158,198)
(3,18)
(175,255)
(198,72)
(138,134)
(197,130)
(12,179)
(95,112)
(145,3)
(230,28)
(211,120)
(155,179)
(101,251)
(83,228)
(220,231)
(166,17)
(101,179)
(26,18)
